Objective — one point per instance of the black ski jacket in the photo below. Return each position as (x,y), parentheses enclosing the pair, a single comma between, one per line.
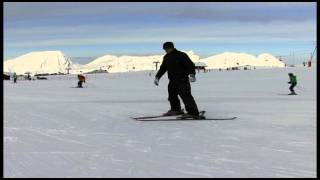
(178,65)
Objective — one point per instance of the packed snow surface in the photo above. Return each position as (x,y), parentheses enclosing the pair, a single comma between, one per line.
(53,130)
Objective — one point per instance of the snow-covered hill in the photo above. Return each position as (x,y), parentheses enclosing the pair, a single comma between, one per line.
(230,59)
(129,63)
(38,62)
(55,61)
(223,60)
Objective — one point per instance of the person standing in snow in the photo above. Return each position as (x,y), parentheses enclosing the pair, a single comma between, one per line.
(179,66)
(293,82)
(82,79)
(15,77)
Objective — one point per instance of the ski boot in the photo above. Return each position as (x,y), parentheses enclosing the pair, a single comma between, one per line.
(173,113)
(191,116)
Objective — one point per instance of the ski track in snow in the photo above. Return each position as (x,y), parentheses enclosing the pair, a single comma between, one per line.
(51,130)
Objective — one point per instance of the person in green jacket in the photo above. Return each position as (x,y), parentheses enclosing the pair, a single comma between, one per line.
(15,77)
(293,81)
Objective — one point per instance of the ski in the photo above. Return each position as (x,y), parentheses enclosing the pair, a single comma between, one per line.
(187,119)
(151,117)
(180,118)
(155,116)
(288,94)
(147,117)
(78,87)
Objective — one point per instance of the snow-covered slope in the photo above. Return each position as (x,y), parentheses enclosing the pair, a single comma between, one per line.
(69,132)
(37,62)
(268,60)
(128,63)
(230,59)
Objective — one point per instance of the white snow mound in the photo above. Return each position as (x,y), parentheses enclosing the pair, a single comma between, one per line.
(231,59)
(38,62)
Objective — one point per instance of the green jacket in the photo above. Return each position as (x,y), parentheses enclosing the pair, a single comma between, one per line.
(14,75)
(293,79)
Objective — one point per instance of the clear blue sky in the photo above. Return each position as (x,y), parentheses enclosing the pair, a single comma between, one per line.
(95,29)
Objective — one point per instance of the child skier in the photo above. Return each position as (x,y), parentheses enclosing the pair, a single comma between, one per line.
(82,79)
(15,77)
(293,82)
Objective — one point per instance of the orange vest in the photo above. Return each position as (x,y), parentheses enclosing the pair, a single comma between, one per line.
(81,78)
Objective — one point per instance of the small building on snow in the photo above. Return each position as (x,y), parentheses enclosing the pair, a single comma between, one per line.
(200,66)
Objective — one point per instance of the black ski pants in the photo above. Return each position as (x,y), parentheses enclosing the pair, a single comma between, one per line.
(80,84)
(292,86)
(182,89)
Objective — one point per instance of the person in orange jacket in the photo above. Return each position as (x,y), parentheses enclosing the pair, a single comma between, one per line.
(82,79)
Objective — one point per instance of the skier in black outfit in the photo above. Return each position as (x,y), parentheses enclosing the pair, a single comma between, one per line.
(179,67)
(293,81)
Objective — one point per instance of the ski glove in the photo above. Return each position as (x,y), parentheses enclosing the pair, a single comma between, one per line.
(192,78)
(156,81)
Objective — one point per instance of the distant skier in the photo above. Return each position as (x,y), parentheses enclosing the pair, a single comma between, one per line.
(15,77)
(82,79)
(179,67)
(293,82)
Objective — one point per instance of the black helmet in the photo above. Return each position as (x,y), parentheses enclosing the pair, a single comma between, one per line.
(167,45)
(290,74)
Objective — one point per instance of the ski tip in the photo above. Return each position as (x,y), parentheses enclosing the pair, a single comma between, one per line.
(135,118)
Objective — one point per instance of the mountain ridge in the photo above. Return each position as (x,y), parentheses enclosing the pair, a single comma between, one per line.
(56,61)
